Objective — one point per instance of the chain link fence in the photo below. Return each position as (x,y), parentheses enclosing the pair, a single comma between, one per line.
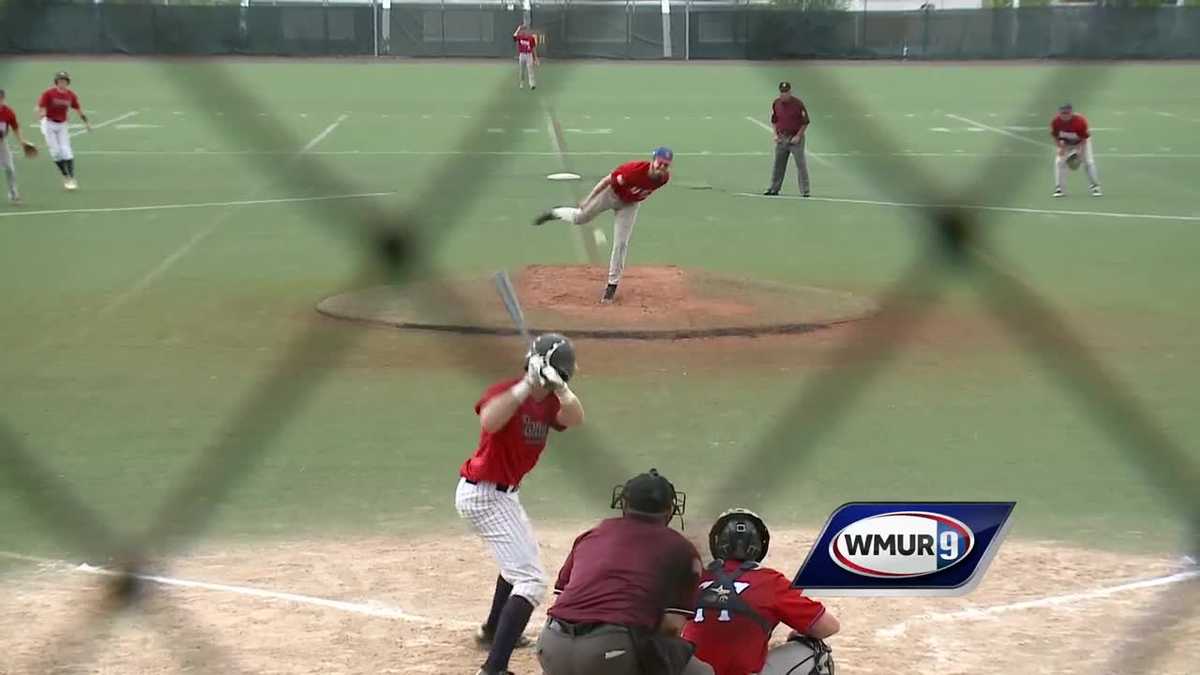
(396,245)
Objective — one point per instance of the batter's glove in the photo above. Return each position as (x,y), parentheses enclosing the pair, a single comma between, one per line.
(552,378)
(29,149)
(533,371)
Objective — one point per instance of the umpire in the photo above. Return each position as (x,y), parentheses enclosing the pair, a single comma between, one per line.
(626,591)
(790,119)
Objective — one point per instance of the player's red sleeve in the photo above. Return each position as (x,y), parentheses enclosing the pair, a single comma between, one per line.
(44,100)
(74,101)
(552,414)
(1084,133)
(491,393)
(794,608)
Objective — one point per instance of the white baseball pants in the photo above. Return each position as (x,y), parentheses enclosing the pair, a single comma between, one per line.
(624,218)
(525,63)
(1084,150)
(9,168)
(500,520)
(58,140)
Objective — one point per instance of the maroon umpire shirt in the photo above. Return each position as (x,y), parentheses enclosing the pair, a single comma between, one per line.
(627,571)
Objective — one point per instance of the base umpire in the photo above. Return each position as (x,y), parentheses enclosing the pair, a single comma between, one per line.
(626,590)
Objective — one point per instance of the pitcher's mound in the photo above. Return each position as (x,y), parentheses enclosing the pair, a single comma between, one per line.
(664,302)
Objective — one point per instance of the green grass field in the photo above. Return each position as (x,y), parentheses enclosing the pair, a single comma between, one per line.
(130,337)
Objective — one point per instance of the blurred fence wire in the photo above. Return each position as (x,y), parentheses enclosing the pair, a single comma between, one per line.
(397,246)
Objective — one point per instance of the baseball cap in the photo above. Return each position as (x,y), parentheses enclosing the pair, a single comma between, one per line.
(663,153)
(1065,107)
(649,492)
(785,86)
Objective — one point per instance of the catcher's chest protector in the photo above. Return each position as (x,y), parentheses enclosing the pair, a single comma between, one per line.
(724,594)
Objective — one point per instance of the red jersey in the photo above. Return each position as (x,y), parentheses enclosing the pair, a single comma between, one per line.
(735,644)
(56,103)
(632,181)
(629,572)
(8,120)
(525,42)
(1072,132)
(506,455)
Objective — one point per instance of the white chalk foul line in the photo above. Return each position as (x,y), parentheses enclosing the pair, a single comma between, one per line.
(193,205)
(820,157)
(981,613)
(105,123)
(981,207)
(324,134)
(603,153)
(375,610)
(1004,132)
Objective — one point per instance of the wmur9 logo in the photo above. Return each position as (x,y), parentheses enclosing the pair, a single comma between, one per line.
(905,548)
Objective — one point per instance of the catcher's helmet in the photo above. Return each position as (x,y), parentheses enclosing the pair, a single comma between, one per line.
(62,75)
(558,351)
(739,534)
(649,493)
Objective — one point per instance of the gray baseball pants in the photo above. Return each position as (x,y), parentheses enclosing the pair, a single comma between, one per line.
(606,650)
(784,149)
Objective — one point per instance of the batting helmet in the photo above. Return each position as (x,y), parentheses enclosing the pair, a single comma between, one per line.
(557,350)
(649,493)
(739,534)
(62,75)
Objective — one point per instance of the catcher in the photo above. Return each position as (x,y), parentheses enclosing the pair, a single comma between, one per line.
(8,124)
(741,602)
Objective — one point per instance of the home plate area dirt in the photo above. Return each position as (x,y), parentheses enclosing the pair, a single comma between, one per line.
(428,595)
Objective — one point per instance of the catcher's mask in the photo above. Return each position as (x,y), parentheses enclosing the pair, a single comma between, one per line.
(62,76)
(739,534)
(558,351)
(649,494)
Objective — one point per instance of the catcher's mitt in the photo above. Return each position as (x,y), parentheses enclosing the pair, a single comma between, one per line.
(30,150)
(1073,161)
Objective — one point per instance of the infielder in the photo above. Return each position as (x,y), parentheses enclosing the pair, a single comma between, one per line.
(515,417)
(1072,145)
(622,191)
(52,108)
(527,57)
(741,602)
(789,118)
(8,124)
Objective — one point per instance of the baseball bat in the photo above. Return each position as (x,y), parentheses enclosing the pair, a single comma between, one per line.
(508,294)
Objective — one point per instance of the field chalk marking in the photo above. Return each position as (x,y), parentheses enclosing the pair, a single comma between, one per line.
(376,610)
(820,157)
(600,153)
(105,123)
(1004,132)
(193,205)
(981,207)
(980,613)
(175,256)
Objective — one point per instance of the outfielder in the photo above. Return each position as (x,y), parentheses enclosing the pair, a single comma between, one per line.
(52,109)
(741,602)
(527,57)
(622,191)
(1073,144)
(8,124)
(515,417)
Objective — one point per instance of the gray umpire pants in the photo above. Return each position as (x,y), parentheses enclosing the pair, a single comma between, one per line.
(784,149)
(605,650)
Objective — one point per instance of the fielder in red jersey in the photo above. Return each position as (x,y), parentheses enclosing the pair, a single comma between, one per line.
(741,603)
(9,125)
(622,192)
(52,108)
(1073,146)
(515,419)
(527,56)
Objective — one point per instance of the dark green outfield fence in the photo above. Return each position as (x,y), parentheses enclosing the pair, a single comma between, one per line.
(617,30)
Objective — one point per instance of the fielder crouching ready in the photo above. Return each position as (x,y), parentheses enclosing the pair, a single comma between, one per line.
(626,590)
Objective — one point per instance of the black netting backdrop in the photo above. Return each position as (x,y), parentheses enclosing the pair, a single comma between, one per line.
(612,31)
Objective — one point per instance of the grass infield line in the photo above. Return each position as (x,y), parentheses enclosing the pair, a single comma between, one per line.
(981,207)
(105,123)
(820,157)
(998,130)
(608,153)
(196,205)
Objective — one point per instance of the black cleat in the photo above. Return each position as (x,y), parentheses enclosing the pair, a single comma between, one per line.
(610,293)
(483,640)
(544,218)
(771,193)
(806,194)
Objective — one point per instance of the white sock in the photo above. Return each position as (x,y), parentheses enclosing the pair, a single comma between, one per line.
(11,176)
(567,213)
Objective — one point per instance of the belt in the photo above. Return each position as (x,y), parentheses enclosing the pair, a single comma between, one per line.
(499,486)
(576,629)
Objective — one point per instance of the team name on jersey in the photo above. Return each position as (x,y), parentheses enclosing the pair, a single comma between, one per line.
(61,102)
(1068,135)
(535,431)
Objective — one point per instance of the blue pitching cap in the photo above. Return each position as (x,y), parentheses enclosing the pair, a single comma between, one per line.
(663,153)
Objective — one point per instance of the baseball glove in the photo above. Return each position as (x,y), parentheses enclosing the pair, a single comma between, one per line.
(30,150)
(1073,161)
